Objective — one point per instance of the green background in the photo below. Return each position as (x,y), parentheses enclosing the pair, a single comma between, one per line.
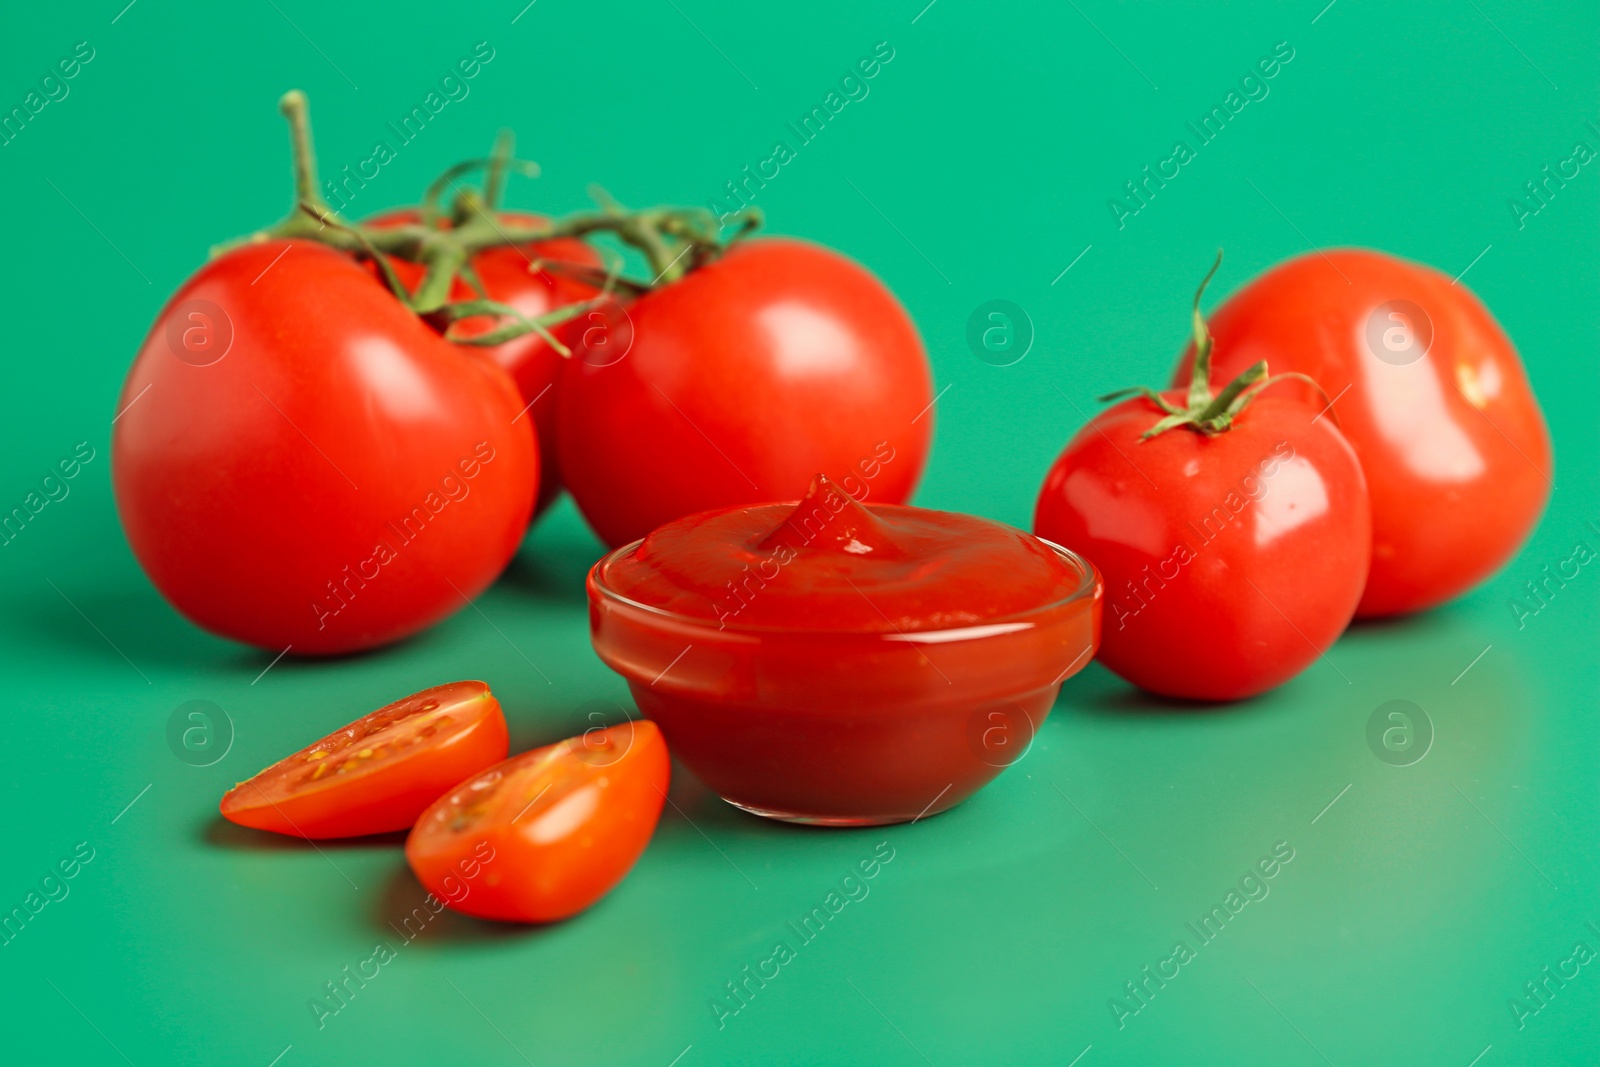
(978,168)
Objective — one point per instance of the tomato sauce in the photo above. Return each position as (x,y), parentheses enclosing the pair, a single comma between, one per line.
(842,663)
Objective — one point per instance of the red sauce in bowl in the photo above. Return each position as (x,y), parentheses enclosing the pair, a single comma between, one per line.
(841,663)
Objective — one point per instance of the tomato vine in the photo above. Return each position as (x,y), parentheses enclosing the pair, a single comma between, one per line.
(673,240)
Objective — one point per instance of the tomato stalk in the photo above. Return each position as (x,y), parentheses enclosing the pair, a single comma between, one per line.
(1202,411)
(674,241)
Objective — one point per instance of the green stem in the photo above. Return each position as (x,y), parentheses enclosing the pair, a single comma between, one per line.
(1202,412)
(434,289)
(297,110)
(494,183)
(673,240)
(1200,378)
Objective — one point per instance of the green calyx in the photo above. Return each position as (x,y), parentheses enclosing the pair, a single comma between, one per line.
(673,241)
(1202,411)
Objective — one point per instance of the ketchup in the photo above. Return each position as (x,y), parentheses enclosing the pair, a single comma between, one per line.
(830,562)
(843,663)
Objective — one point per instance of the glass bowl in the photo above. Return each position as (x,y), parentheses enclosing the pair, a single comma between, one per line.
(840,727)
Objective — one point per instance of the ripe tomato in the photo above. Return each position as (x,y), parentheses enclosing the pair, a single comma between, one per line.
(380,772)
(1431,394)
(743,380)
(510,277)
(555,828)
(301,463)
(1231,561)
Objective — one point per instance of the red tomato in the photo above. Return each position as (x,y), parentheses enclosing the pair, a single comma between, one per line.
(380,772)
(300,462)
(1231,561)
(509,276)
(1431,394)
(554,829)
(743,380)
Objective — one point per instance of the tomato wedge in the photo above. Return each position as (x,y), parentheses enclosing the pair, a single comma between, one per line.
(545,834)
(380,772)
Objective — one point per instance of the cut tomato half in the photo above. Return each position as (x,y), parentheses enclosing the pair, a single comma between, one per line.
(545,834)
(380,772)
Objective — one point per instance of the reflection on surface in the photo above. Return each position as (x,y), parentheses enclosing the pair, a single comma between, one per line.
(1297,496)
(806,342)
(1479,384)
(1409,410)
(393,378)
(568,814)
(1124,520)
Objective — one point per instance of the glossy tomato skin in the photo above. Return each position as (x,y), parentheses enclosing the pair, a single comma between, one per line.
(509,276)
(546,833)
(1230,562)
(1430,393)
(743,380)
(381,771)
(339,479)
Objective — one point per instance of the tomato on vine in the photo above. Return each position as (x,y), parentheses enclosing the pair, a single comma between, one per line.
(335,477)
(1233,531)
(529,278)
(275,489)
(742,378)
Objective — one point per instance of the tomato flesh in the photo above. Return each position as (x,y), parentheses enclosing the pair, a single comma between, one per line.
(381,771)
(547,833)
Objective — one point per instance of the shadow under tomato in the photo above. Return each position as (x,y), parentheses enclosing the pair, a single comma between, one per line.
(403,912)
(555,557)
(1391,625)
(135,626)
(1447,621)
(220,833)
(553,571)
(1098,693)
(134,629)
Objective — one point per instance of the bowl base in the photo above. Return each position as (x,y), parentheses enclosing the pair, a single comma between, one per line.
(828,820)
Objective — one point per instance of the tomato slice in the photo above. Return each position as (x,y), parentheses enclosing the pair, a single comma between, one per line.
(380,772)
(545,834)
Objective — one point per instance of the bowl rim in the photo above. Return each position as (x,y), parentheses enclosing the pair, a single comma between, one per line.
(1089,587)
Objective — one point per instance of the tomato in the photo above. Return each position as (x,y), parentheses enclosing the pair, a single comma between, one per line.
(1431,394)
(553,829)
(1233,531)
(509,276)
(739,383)
(1231,562)
(301,463)
(380,772)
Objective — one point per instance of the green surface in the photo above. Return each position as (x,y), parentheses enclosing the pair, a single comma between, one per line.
(978,168)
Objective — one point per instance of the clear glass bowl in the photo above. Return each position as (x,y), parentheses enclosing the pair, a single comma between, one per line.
(840,727)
